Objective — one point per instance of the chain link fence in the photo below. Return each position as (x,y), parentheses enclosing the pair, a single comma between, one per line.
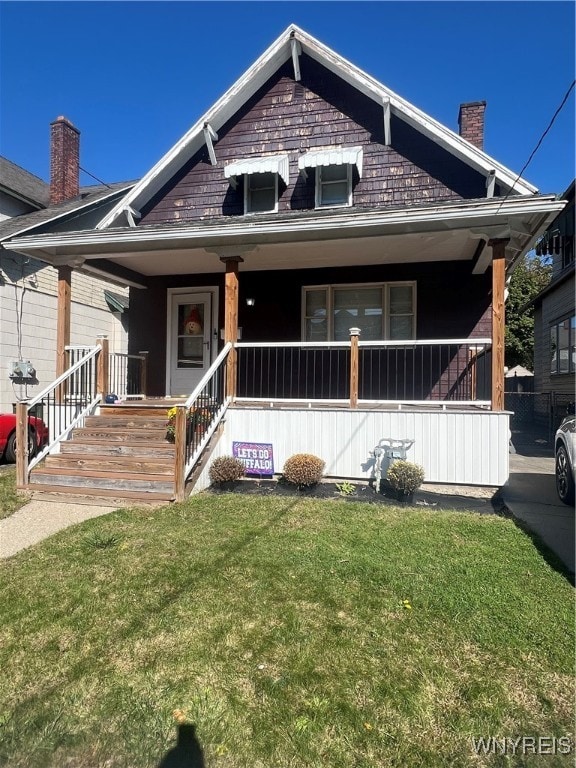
(537,411)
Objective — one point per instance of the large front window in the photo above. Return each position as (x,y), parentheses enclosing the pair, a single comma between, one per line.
(381,311)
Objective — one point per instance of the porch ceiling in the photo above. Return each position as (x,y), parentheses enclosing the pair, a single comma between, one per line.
(392,249)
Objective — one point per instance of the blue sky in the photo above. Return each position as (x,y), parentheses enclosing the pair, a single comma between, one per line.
(134,76)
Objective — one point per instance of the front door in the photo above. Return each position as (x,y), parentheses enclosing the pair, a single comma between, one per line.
(190,340)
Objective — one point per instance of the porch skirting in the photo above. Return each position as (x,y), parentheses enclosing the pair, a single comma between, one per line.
(461,447)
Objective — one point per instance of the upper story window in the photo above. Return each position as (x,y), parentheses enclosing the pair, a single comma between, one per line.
(262,176)
(380,310)
(333,185)
(334,174)
(260,192)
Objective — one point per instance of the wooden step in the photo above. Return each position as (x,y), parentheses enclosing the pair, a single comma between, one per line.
(127,422)
(82,480)
(72,493)
(128,448)
(155,436)
(159,411)
(128,464)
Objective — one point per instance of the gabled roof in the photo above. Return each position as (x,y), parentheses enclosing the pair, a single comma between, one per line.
(24,185)
(89,197)
(292,41)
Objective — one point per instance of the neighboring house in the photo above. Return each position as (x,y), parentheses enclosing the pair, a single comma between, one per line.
(555,319)
(308,201)
(29,286)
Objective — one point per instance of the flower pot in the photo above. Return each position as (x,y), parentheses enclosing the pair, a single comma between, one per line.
(405,497)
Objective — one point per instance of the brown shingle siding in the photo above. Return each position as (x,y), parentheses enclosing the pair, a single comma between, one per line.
(330,113)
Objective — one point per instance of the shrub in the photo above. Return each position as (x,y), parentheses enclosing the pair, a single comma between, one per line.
(226,469)
(303,469)
(405,476)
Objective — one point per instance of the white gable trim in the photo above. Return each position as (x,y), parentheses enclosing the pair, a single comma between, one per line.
(277,54)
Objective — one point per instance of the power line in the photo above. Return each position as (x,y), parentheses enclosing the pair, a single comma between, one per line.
(540,140)
(94,177)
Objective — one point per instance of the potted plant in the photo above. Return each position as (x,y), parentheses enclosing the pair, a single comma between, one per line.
(405,477)
(197,419)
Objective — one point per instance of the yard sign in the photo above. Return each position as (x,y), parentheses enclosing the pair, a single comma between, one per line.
(258,458)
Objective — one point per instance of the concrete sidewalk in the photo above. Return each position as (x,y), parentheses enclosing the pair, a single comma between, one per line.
(530,494)
(39,519)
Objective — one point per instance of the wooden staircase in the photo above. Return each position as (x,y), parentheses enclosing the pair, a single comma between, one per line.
(122,453)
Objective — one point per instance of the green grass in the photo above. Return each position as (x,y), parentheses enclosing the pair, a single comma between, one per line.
(10,500)
(292,632)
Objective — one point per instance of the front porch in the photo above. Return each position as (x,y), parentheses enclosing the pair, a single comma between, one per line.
(336,399)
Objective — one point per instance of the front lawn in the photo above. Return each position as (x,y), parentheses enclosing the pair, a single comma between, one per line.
(293,633)
(10,499)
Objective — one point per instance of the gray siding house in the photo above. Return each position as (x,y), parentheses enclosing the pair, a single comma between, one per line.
(555,320)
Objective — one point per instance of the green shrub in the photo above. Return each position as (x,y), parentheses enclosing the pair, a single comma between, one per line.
(303,469)
(226,469)
(405,476)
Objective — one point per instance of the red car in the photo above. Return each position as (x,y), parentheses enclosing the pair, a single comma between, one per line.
(37,436)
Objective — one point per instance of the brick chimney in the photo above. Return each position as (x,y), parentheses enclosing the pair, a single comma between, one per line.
(471,122)
(64,160)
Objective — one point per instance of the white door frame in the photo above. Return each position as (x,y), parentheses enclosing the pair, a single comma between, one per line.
(170,293)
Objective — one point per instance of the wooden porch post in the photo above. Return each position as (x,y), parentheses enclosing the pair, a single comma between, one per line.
(180,453)
(102,370)
(354,334)
(63,324)
(231,319)
(498,321)
(21,445)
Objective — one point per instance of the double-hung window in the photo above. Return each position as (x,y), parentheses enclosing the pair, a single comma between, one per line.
(563,346)
(261,180)
(334,169)
(260,192)
(333,185)
(381,311)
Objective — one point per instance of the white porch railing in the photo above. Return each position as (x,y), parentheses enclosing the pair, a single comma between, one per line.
(418,372)
(198,418)
(62,406)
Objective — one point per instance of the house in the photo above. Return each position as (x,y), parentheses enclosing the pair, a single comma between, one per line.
(317,261)
(29,286)
(555,320)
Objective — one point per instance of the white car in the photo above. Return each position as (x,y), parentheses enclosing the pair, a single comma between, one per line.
(565,450)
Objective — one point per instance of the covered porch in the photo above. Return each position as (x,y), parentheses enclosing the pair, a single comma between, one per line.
(285,320)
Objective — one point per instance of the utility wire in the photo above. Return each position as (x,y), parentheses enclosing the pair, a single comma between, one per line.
(94,177)
(540,140)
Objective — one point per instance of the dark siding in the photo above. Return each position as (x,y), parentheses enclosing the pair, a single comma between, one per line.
(322,110)
(451,303)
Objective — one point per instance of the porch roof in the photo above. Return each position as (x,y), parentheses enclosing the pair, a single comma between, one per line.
(440,232)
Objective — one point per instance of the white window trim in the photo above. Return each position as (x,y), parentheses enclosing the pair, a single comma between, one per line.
(247,177)
(555,326)
(385,288)
(318,188)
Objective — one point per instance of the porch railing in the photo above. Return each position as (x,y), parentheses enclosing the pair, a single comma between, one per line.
(62,406)
(366,372)
(197,419)
(126,374)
